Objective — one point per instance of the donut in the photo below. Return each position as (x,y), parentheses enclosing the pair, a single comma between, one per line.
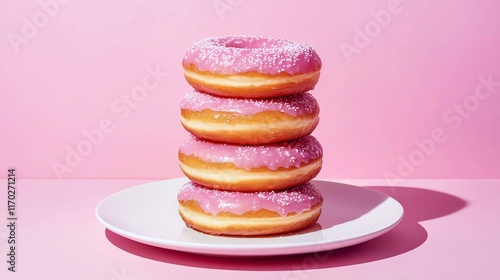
(249,121)
(231,167)
(249,213)
(251,67)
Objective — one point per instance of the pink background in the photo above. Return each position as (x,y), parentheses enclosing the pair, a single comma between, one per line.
(67,72)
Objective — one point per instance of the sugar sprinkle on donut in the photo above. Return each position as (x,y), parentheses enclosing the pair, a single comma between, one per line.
(241,54)
(294,105)
(293,200)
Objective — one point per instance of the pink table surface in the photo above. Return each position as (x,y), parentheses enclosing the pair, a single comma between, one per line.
(450,231)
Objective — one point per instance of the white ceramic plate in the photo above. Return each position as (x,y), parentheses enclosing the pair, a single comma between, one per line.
(148,214)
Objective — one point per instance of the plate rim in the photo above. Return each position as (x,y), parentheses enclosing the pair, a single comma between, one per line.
(244,249)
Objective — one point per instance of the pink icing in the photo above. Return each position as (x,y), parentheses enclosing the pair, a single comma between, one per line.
(294,200)
(241,54)
(294,105)
(272,156)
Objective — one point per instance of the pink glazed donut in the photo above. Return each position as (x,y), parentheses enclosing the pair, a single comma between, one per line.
(249,121)
(249,213)
(251,67)
(269,167)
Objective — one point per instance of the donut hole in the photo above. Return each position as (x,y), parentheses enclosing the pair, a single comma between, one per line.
(256,43)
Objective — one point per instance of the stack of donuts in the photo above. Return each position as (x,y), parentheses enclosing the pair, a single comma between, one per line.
(250,156)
